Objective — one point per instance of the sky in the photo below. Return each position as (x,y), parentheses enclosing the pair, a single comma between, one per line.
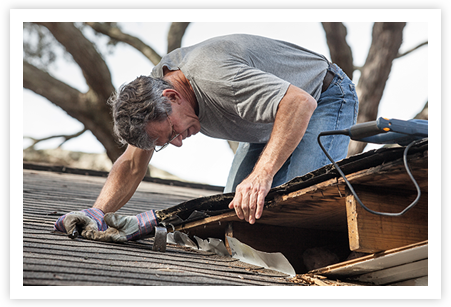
(402,99)
(207,160)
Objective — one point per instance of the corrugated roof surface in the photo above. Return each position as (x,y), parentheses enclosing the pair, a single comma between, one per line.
(54,259)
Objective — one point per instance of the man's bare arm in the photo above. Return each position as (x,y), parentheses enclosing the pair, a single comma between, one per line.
(123,180)
(292,118)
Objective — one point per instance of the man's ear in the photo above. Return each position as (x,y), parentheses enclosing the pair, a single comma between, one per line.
(172,95)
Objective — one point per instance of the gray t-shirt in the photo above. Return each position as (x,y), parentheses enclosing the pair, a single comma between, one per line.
(239,80)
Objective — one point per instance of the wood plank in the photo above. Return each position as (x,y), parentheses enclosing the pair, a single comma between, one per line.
(369,233)
(395,274)
(225,217)
(377,261)
(211,227)
(321,207)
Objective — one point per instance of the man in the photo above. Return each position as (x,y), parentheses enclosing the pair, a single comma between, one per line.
(271,96)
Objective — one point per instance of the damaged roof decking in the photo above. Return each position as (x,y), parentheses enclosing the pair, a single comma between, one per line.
(315,200)
(53,259)
(316,210)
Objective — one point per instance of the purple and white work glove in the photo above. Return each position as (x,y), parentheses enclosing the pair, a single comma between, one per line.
(88,220)
(125,228)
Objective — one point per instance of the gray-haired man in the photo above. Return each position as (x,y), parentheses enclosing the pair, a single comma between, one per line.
(271,96)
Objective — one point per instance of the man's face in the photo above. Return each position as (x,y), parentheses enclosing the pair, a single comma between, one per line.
(181,124)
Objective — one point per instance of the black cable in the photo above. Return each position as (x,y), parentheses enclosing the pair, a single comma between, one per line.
(346,132)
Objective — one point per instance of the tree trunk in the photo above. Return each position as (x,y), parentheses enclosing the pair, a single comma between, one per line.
(340,52)
(116,34)
(387,39)
(424,114)
(93,66)
(90,108)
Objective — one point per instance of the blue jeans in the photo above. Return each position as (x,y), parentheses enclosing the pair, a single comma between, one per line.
(337,109)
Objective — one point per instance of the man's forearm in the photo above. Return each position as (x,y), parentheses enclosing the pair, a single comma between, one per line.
(292,118)
(123,180)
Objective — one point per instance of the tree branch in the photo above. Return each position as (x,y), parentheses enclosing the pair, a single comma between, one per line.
(175,35)
(117,34)
(93,66)
(66,137)
(59,93)
(86,108)
(411,50)
(399,54)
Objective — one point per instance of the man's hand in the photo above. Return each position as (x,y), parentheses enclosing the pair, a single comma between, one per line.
(88,219)
(125,228)
(250,197)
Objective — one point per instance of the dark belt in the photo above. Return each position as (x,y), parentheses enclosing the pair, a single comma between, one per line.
(327,80)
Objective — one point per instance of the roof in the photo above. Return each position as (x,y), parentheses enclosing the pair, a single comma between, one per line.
(54,259)
(308,212)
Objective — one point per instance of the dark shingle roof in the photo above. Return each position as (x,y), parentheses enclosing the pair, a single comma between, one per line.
(305,202)
(54,259)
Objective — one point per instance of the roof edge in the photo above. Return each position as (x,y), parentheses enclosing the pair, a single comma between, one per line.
(95,173)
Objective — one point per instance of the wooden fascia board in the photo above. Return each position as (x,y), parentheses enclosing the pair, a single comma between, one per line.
(377,261)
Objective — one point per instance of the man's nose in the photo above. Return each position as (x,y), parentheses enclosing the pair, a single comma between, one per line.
(178,141)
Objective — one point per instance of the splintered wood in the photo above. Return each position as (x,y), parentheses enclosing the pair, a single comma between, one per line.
(321,281)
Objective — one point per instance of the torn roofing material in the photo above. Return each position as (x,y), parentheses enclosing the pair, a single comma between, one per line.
(201,208)
(245,253)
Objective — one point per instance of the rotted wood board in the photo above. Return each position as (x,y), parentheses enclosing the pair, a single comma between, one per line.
(323,205)
(388,188)
(364,162)
(319,207)
(370,233)
(393,175)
